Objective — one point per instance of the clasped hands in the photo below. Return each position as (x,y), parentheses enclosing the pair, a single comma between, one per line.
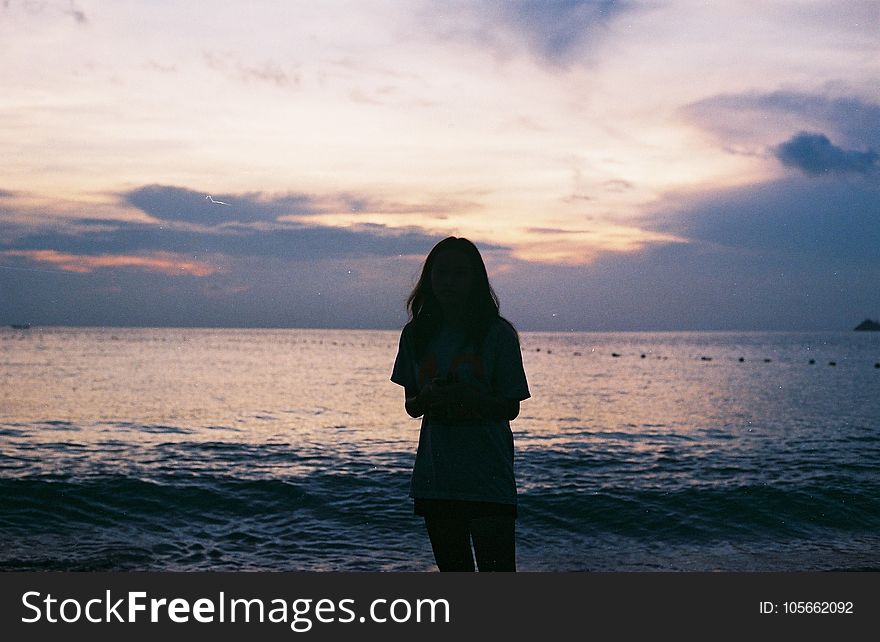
(451,399)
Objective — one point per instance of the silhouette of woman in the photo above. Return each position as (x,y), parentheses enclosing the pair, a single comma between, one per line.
(460,364)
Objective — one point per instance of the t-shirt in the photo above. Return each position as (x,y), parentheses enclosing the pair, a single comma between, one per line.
(465,458)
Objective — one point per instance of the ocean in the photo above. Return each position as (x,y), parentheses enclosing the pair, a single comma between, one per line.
(281,449)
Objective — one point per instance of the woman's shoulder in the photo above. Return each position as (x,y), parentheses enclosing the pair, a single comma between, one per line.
(406,332)
(409,327)
(504,330)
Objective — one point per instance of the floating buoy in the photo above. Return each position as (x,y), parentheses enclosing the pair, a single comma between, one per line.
(767,360)
(812,361)
(537,349)
(832,363)
(643,356)
(549,351)
(741,359)
(877,365)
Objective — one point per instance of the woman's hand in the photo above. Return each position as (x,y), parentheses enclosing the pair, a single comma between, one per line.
(446,399)
(449,400)
(457,400)
(463,392)
(431,393)
(468,401)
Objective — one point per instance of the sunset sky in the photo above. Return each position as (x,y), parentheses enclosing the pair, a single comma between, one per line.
(653,165)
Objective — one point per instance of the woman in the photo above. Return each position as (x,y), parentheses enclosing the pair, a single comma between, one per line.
(461,368)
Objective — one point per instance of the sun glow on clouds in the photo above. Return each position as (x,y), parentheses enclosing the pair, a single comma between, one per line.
(163,262)
(509,115)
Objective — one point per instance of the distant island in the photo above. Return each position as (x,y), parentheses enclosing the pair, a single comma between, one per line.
(869,325)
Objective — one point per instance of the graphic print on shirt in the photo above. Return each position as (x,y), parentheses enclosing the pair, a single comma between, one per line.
(464,367)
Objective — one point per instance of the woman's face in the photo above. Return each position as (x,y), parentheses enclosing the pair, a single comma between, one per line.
(451,278)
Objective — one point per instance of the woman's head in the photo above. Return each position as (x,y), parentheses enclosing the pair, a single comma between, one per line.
(453,277)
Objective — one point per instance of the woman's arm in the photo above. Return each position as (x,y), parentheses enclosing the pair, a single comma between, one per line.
(492,407)
(417,402)
(472,399)
(459,396)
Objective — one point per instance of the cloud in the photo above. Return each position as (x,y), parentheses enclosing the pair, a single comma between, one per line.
(798,253)
(369,292)
(282,242)
(76,13)
(164,262)
(171,203)
(192,228)
(617,185)
(691,287)
(161,68)
(189,225)
(266,72)
(797,220)
(760,117)
(814,154)
(551,230)
(35,8)
(558,32)
(253,272)
(388,96)
(557,29)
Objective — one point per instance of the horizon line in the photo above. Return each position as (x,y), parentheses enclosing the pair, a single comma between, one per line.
(33,326)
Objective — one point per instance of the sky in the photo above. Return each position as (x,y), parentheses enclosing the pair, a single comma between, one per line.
(656,165)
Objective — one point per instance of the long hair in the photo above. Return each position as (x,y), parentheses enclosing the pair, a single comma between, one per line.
(480,309)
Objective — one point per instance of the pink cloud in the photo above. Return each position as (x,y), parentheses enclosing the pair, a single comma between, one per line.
(164,262)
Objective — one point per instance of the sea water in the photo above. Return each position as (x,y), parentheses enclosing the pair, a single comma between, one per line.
(285,449)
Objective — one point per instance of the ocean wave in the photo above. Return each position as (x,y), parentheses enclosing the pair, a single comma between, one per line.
(704,513)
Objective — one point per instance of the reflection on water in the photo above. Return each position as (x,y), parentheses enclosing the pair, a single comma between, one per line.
(711,446)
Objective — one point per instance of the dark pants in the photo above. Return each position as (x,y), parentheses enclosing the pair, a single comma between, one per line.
(493,539)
